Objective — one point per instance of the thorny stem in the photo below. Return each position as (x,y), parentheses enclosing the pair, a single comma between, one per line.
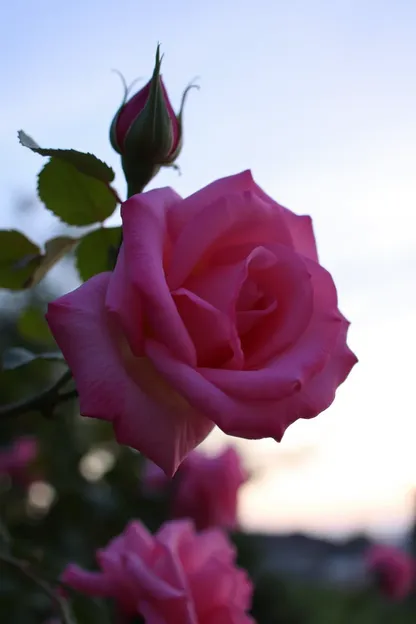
(24,568)
(43,402)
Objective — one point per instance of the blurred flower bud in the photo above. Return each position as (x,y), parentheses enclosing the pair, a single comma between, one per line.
(146,132)
(15,460)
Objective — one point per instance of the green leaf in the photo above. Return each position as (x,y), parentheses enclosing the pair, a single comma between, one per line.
(55,250)
(18,356)
(97,250)
(19,258)
(85,163)
(74,197)
(32,326)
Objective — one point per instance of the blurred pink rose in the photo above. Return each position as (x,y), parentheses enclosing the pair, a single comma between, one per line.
(173,577)
(207,489)
(16,459)
(217,313)
(393,569)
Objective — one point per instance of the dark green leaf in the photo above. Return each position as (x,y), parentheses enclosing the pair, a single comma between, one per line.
(17,356)
(97,250)
(74,197)
(32,326)
(55,249)
(19,258)
(85,163)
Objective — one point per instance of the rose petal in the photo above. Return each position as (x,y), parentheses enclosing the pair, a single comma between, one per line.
(180,214)
(299,226)
(156,421)
(148,581)
(228,586)
(180,611)
(123,301)
(227,412)
(129,113)
(213,332)
(211,543)
(90,583)
(138,539)
(145,240)
(231,221)
(288,282)
(259,418)
(279,372)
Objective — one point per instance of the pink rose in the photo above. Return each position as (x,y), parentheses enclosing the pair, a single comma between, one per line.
(217,313)
(173,577)
(204,488)
(16,459)
(207,489)
(393,570)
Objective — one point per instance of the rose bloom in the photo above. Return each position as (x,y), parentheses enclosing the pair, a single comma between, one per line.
(16,459)
(174,577)
(217,313)
(393,570)
(204,488)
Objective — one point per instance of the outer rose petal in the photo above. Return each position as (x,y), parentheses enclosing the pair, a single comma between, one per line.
(257,418)
(300,228)
(142,575)
(156,421)
(145,245)
(192,205)
(232,221)
(90,583)
(138,538)
(227,586)
(211,543)
(123,301)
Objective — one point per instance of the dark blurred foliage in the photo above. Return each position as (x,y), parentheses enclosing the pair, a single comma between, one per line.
(87,488)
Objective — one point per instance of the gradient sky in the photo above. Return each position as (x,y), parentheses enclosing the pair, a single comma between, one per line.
(319,100)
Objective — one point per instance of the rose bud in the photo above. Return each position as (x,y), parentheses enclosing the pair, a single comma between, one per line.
(146,132)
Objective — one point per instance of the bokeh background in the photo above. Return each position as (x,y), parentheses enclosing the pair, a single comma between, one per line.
(318,99)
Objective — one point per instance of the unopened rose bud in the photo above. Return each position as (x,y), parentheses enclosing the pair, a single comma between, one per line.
(146,132)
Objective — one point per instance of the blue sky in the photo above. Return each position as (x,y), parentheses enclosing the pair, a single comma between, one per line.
(318,99)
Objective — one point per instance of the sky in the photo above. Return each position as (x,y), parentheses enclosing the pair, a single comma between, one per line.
(318,99)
